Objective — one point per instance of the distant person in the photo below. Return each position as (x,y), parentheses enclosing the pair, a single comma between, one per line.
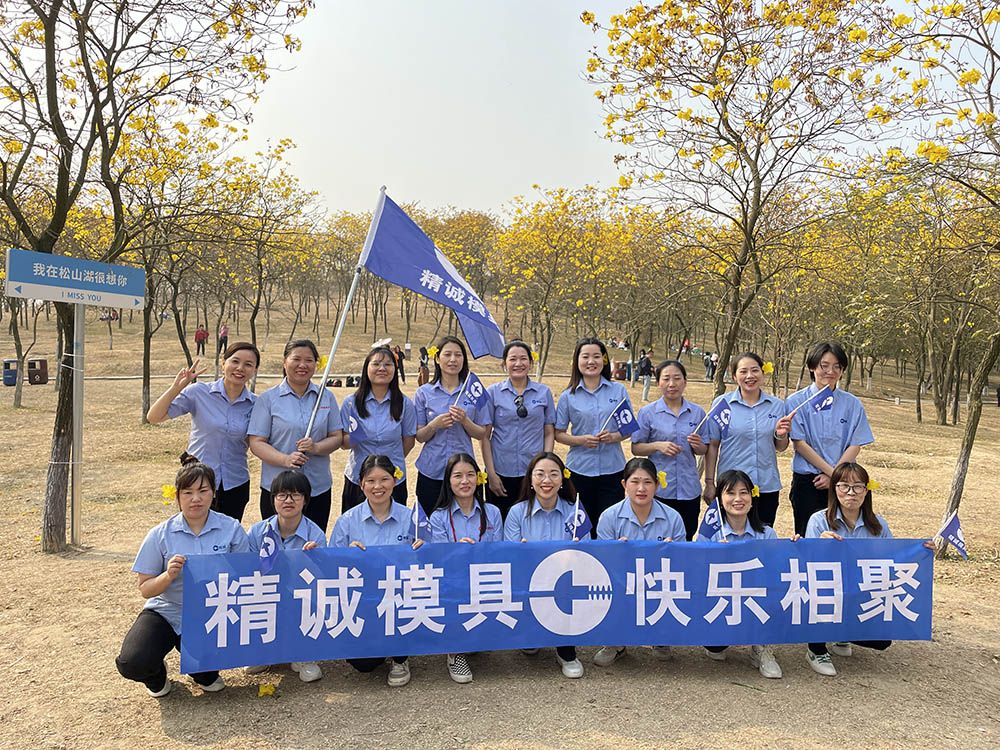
(423,373)
(400,355)
(200,337)
(645,372)
(707,359)
(715,365)
(223,337)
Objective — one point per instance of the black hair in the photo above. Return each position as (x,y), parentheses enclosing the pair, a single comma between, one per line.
(576,377)
(639,463)
(727,481)
(566,491)
(192,472)
(291,480)
(516,343)
(376,461)
(241,346)
(295,344)
(669,363)
(841,472)
(365,386)
(822,348)
(734,363)
(447,496)
(464,372)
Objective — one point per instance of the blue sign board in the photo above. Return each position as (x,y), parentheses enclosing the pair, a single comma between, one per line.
(62,278)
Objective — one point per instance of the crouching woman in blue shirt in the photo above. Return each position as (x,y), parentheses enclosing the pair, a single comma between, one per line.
(196,530)
(377,521)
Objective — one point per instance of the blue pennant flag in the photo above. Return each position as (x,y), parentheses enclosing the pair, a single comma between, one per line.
(580,526)
(420,527)
(623,419)
(711,522)
(398,251)
(822,400)
(952,533)
(473,392)
(721,414)
(352,426)
(269,546)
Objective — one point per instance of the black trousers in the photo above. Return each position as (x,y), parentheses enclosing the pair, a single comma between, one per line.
(353,496)
(767,507)
(597,494)
(513,487)
(689,510)
(566,653)
(317,509)
(428,491)
(149,640)
(820,648)
(371,663)
(806,500)
(200,347)
(233,501)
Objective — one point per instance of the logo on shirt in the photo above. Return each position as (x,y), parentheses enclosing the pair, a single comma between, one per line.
(692,424)
(843,421)
(217,547)
(588,590)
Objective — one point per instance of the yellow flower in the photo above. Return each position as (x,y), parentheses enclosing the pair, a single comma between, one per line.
(768,368)
(322,361)
(534,356)
(872,485)
(398,473)
(432,351)
(662,477)
(169,491)
(566,472)
(481,477)
(606,361)
(265,689)
(780,84)
(755,492)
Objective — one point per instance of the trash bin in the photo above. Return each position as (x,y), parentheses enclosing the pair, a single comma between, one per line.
(10,372)
(38,371)
(628,370)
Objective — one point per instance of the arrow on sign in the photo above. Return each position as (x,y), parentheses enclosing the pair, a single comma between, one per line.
(17,289)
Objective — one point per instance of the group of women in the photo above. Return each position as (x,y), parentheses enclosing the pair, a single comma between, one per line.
(525,493)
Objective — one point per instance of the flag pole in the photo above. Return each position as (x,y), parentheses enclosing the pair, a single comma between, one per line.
(618,406)
(369,240)
(462,389)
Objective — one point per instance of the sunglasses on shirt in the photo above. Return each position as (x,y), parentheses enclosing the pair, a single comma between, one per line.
(522,410)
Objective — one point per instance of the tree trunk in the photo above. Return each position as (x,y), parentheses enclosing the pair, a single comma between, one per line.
(15,332)
(57,479)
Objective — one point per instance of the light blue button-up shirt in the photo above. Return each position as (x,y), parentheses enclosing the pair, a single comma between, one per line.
(663,523)
(587,411)
(749,445)
(281,416)
(384,435)
(218,429)
(727,533)
(829,432)
(359,525)
(818,524)
(221,534)
(516,440)
(451,524)
(430,400)
(656,423)
(541,525)
(307,531)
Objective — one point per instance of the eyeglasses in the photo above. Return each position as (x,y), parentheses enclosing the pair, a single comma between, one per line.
(522,410)
(851,489)
(830,368)
(297,497)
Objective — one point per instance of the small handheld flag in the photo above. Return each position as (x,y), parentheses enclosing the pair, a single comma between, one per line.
(420,527)
(623,418)
(269,545)
(952,533)
(580,524)
(720,414)
(711,522)
(473,392)
(352,425)
(822,400)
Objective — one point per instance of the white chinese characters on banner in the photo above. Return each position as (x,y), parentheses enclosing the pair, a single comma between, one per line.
(885,582)
(489,593)
(738,595)
(336,606)
(643,586)
(413,597)
(824,594)
(256,597)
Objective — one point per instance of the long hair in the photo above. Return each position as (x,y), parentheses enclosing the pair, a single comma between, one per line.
(728,480)
(464,373)
(567,491)
(844,472)
(365,386)
(576,377)
(447,496)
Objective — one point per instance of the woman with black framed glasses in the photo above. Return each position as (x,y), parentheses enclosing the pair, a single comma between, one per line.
(523,415)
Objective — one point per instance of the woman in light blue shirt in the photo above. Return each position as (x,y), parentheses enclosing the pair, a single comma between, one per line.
(377,521)
(278,431)
(595,457)
(195,530)
(522,417)
(442,426)
(667,435)
(220,417)
(463,515)
(388,420)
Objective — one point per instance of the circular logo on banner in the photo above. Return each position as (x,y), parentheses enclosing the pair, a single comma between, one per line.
(266,547)
(712,516)
(476,389)
(589,592)
(625,417)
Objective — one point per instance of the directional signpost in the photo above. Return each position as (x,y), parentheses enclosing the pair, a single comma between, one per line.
(60,278)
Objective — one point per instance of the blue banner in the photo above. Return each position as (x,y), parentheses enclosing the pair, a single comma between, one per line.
(393,601)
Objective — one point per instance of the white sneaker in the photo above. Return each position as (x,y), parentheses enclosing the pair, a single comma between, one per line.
(256,669)
(167,686)
(762,657)
(663,653)
(607,655)
(399,674)
(458,669)
(309,671)
(572,668)
(821,663)
(716,655)
(841,649)
(215,686)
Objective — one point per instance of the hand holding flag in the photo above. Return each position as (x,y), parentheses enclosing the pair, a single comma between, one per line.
(580,524)
(269,546)
(711,522)
(952,533)
(624,419)
(720,414)
(821,400)
(472,394)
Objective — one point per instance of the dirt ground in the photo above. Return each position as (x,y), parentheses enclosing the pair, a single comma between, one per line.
(62,619)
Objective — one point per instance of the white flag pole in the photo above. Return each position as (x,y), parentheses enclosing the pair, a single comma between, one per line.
(369,239)
(612,414)
(462,389)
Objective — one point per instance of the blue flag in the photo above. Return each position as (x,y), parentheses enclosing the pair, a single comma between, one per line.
(721,414)
(711,522)
(822,400)
(352,426)
(398,251)
(580,526)
(623,419)
(269,546)
(420,527)
(952,533)
(473,392)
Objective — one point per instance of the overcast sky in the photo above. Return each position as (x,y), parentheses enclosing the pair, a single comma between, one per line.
(460,103)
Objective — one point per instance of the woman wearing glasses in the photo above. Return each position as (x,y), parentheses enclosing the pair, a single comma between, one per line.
(822,439)
(523,424)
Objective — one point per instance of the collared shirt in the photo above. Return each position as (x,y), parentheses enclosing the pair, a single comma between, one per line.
(587,411)
(451,524)
(540,525)
(656,423)
(516,440)
(727,533)
(359,525)
(818,524)
(430,400)
(306,531)
(663,523)
(749,445)
(218,429)
(383,435)
(829,432)
(220,534)
(281,416)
